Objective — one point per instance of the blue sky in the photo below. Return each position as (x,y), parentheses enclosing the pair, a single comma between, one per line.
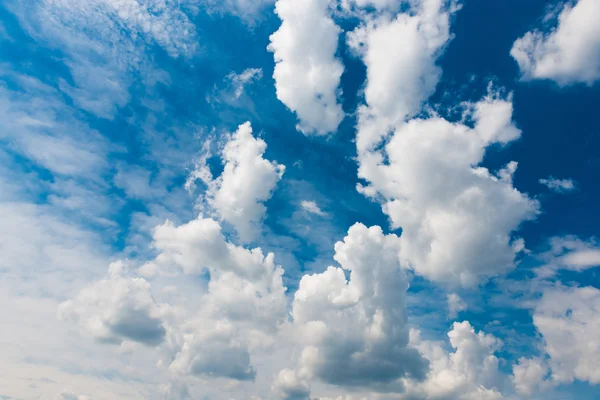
(294,199)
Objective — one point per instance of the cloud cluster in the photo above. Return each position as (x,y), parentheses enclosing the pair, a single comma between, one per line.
(567,54)
(400,53)
(470,372)
(307,72)
(116,309)
(457,217)
(243,305)
(354,331)
(247,181)
(214,311)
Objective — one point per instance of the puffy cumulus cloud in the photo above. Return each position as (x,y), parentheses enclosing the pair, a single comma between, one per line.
(457,217)
(354,332)
(568,319)
(569,53)
(569,253)
(199,246)
(288,386)
(470,372)
(242,310)
(116,309)
(558,185)
(529,376)
(307,72)
(455,305)
(400,54)
(247,181)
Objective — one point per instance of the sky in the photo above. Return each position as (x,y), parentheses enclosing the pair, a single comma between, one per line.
(299,199)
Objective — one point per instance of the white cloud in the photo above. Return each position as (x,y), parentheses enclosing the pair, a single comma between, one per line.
(207,327)
(163,22)
(568,319)
(307,72)
(247,181)
(457,218)
(529,375)
(400,54)
(287,386)
(354,332)
(567,54)
(206,330)
(558,185)
(97,89)
(46,258)
(246,77)
(569,253)
(242,309)
(469,373)
(312,207)
(42,128)
(455,305)
(44,255)
(116,309)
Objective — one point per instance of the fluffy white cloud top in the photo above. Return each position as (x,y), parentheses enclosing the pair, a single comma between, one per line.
(568,53)
(288,386)
(242,309)
(469,372)
(457,217)
(116,309)
(307,72)
(400,53)
(354,331)
(247,181)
